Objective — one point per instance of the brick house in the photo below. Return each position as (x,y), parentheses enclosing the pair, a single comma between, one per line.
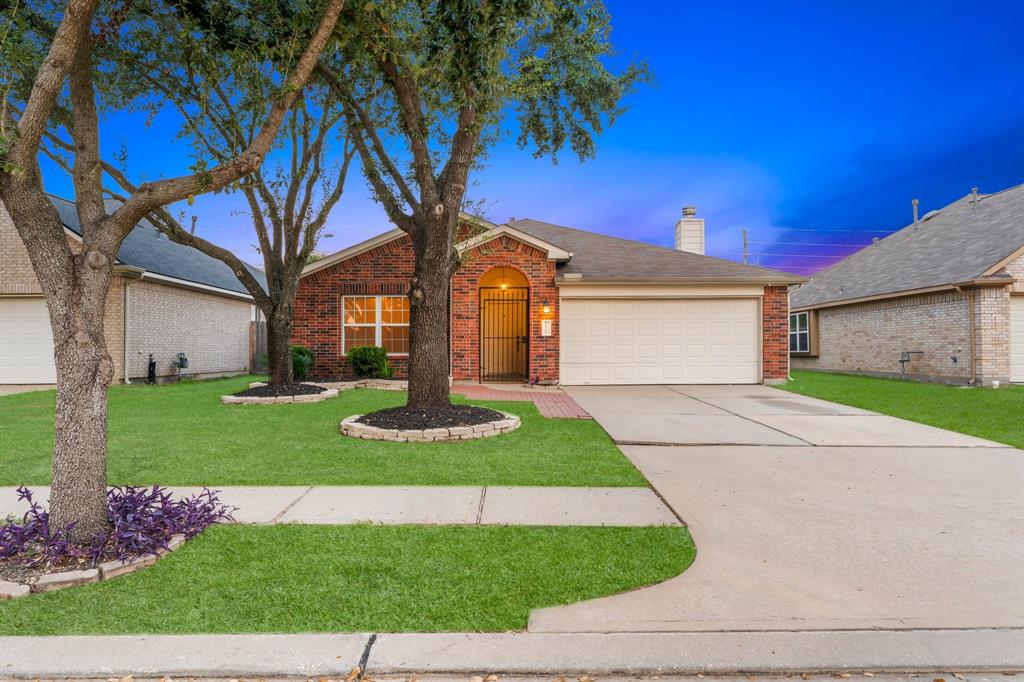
(164,299)
(945,294)
(538,302)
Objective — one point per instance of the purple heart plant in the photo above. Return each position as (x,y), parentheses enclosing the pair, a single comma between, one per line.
(142,522)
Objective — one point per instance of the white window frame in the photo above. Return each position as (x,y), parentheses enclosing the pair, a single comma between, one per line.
(376,324)
(805,332)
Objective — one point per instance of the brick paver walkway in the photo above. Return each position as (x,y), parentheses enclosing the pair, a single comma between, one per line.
(550,403)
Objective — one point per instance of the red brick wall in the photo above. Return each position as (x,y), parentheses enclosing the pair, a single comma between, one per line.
(387,270)
(775,334)
(507,252)
(317,316)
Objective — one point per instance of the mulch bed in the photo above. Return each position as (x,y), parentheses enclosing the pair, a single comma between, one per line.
(269,391)
(403,418)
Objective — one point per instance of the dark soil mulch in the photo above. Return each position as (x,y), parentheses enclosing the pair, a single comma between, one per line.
(435,418)
(269,391)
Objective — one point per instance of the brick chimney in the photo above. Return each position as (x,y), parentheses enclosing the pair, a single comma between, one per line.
(690,231)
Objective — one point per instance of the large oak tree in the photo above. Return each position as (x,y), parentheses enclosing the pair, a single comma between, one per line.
(61,75)
(446,74)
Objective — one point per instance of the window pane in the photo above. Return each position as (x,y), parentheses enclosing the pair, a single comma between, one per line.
(803,342)
(792,323)
(801,322)
(360,310)
(395,339)
(793,343)
(394,309)
(359,336)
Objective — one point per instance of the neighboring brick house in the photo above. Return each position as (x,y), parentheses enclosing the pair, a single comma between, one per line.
(945,293)
(164,299)
(537,302)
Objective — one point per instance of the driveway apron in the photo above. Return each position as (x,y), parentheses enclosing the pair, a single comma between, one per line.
(859,531)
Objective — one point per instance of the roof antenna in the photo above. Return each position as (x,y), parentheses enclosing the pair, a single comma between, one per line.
(914,203)
(194,219)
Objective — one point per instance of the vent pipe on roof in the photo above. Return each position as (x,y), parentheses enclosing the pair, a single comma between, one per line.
(690,231)
(914,203)
(974,195)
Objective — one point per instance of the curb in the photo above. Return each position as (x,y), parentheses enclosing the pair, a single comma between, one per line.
(521,653)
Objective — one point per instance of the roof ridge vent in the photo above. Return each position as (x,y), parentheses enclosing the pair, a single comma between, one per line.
(930,214)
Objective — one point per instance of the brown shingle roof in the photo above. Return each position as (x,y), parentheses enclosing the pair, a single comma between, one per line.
(598,256)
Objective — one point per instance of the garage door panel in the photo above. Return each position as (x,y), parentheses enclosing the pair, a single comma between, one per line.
(26,342)
(660,341)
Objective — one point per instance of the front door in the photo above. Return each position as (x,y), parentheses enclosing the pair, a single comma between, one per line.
(504,333)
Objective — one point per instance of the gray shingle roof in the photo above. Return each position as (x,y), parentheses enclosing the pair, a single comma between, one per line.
(958,243)
(145,247)
(598,256)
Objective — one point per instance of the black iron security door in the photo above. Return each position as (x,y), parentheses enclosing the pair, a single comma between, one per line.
(504,333)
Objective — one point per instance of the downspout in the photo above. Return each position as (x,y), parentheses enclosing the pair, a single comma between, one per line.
(124,335)
(971,326)
(128,274)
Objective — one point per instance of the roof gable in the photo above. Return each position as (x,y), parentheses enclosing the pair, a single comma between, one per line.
(964,241)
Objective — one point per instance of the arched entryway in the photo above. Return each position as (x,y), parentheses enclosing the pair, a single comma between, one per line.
(504,325)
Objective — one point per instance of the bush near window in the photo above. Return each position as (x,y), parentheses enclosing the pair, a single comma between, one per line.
(302,362)
(370,362)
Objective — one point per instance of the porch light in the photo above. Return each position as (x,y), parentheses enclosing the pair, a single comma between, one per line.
(504,285)
(545,307)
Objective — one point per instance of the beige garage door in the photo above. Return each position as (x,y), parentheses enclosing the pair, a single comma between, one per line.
(1017,338)
(652,341)
(26,342)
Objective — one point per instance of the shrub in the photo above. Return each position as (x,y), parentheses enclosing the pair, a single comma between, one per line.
(302,362)
(142,521)
(371,362)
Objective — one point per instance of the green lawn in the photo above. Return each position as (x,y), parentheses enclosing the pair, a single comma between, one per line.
(359,579)
(182,435)
(995,414)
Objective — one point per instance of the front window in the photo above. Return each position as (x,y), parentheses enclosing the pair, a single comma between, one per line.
(376,321)
(799,333)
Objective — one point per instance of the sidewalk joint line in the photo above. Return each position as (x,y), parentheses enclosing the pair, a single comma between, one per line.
(480,508)
(365,658)
(291,504)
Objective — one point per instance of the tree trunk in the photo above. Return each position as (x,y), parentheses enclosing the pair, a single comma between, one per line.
(436,260)
(78,500)
(279,345)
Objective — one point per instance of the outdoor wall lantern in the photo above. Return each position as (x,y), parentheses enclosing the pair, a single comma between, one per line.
(545,307)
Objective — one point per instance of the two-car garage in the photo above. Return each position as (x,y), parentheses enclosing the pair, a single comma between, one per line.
(657,340)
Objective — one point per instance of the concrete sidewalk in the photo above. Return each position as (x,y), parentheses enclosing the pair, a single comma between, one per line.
(464,505)
(311,655)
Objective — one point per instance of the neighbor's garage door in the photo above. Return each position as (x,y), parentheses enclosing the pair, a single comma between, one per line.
(1017,338)
(651,341)
(26,342)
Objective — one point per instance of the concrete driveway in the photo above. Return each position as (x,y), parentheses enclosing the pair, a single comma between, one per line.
(809,515)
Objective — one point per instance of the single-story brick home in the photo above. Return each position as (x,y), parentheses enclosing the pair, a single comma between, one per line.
(945,295)
(538,302)
(165,299)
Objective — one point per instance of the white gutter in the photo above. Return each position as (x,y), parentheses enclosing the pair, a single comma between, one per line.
(185,284)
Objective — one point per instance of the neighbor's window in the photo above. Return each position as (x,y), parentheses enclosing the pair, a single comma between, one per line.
(376,321)
(799,333)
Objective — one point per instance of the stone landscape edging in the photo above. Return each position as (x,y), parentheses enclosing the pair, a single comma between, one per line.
(355,429)
(326,394)
(108,570)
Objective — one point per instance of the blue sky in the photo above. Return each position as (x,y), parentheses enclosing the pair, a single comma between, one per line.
(804,123)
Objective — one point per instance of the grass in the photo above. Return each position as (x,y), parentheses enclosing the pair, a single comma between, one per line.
(359,579)
(995,414)
(181,434)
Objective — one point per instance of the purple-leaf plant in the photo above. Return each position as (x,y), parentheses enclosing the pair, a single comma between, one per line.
(142,521)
